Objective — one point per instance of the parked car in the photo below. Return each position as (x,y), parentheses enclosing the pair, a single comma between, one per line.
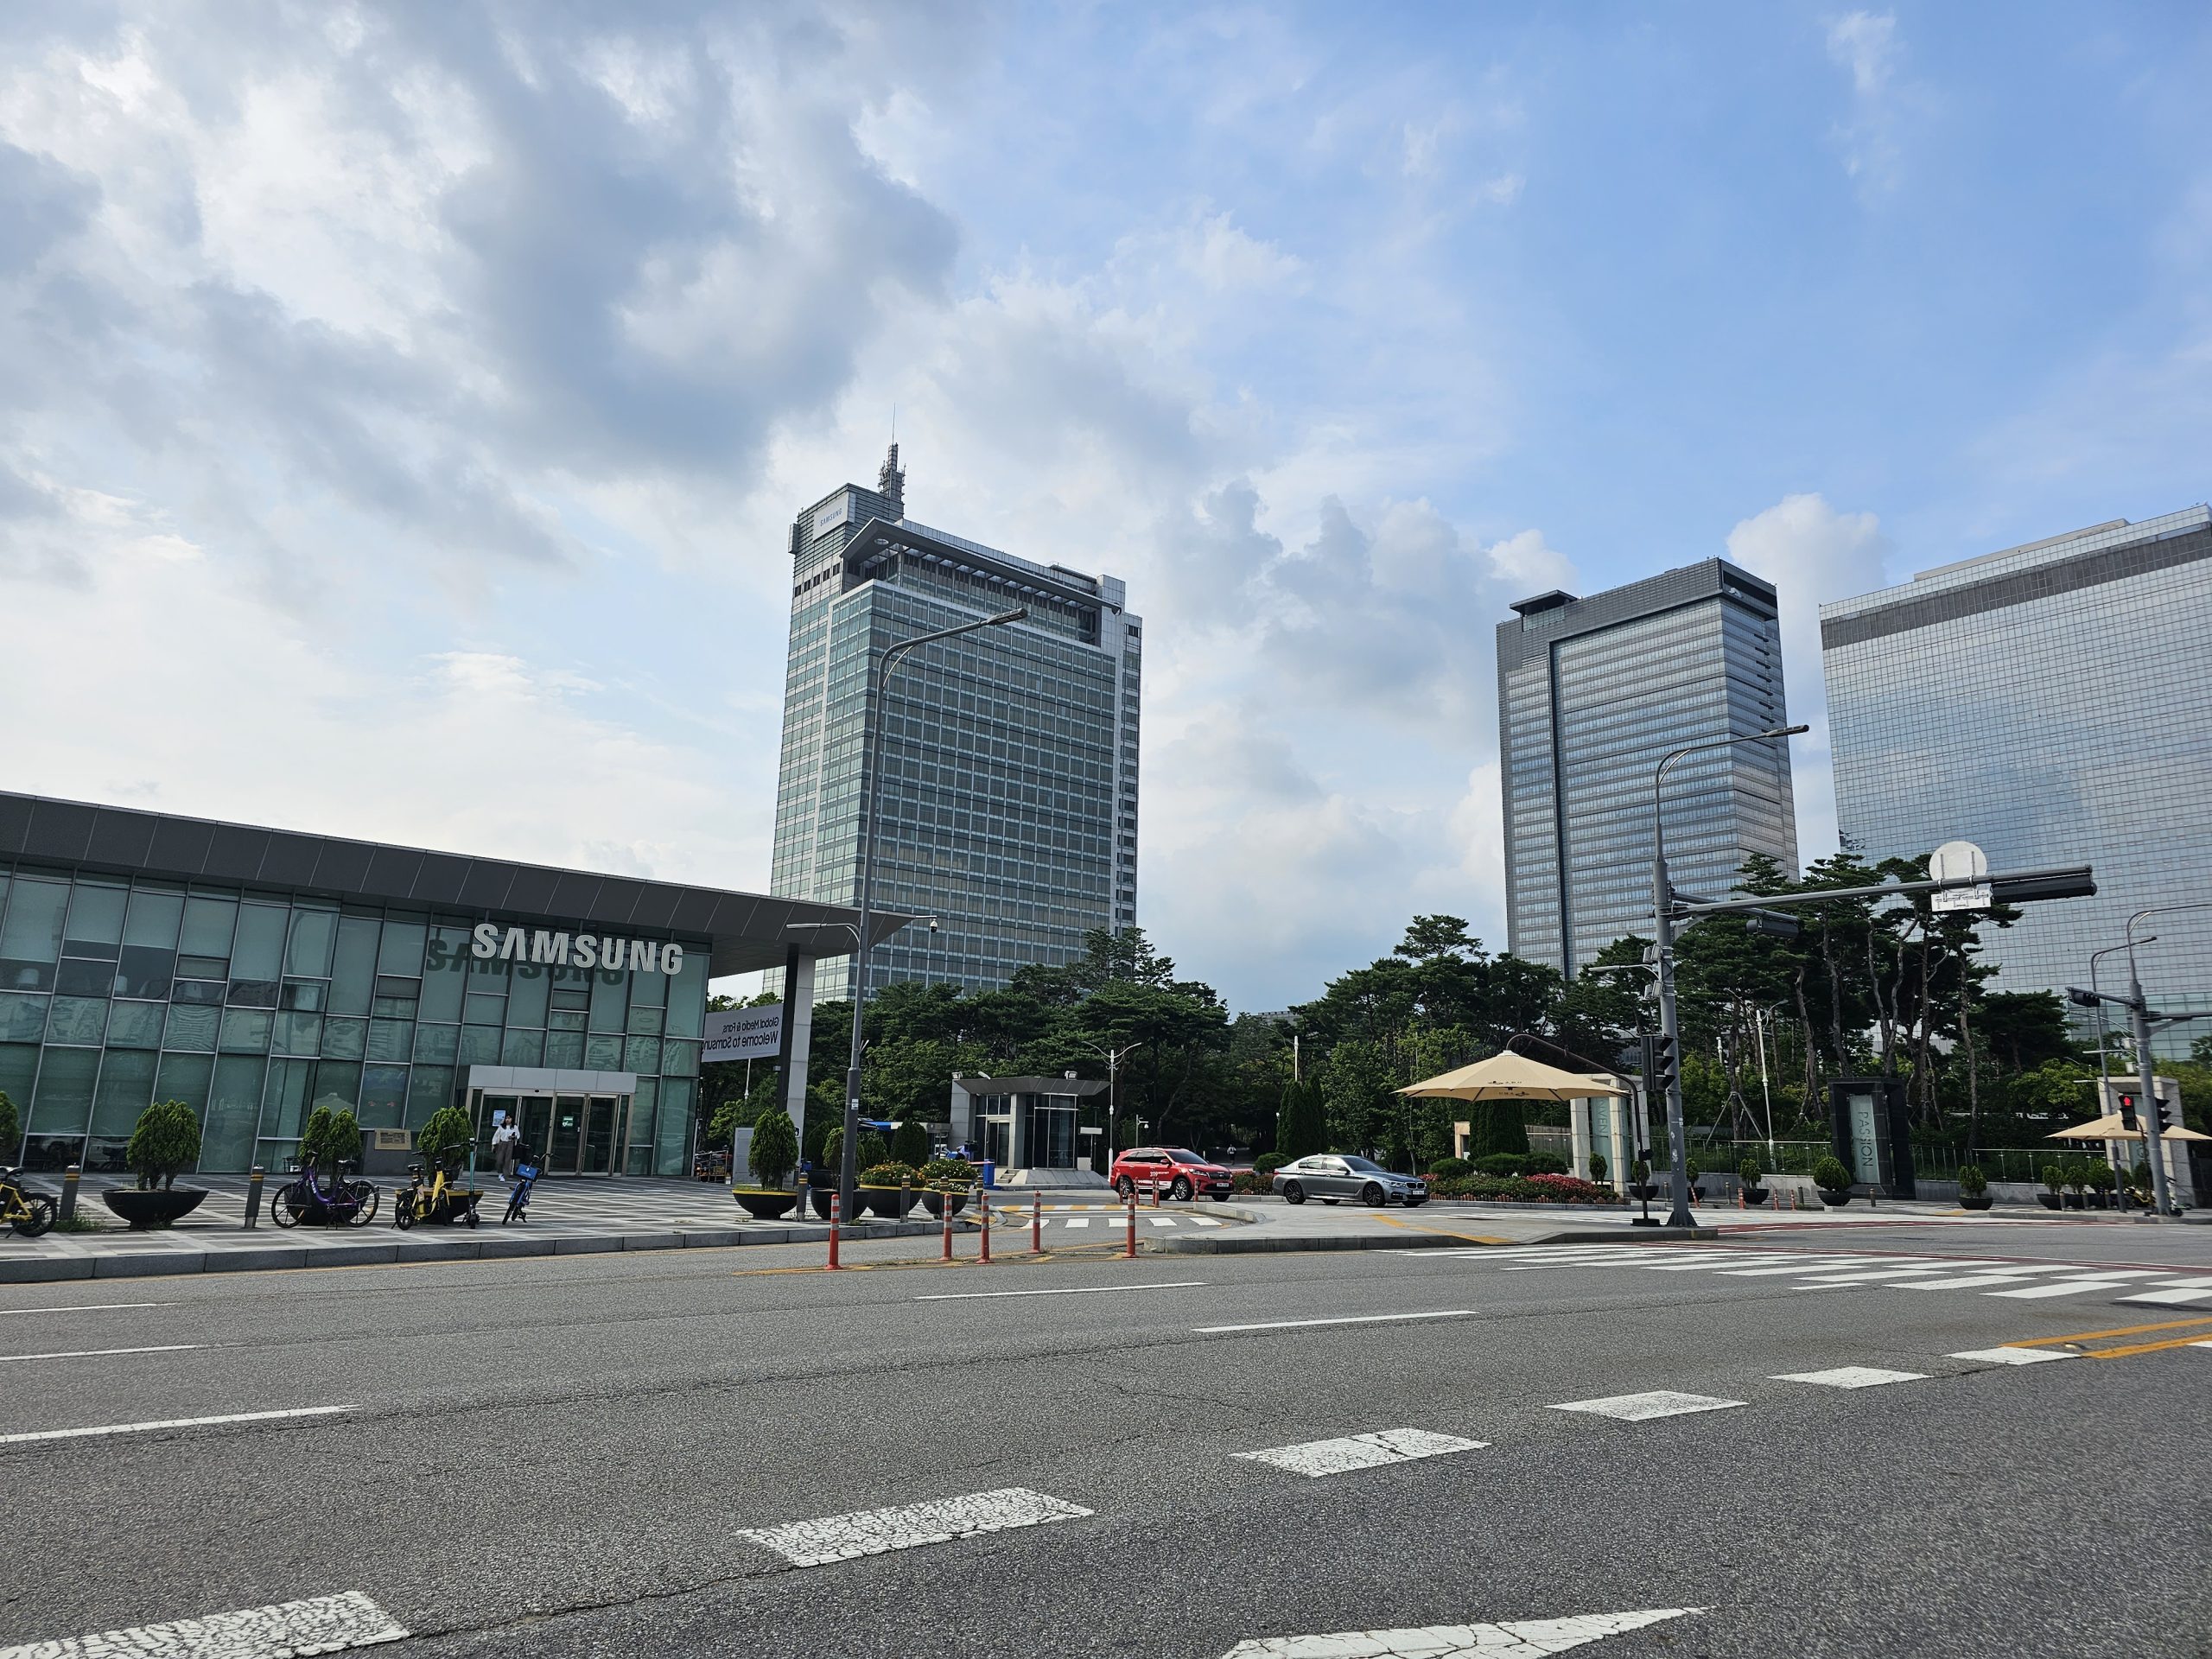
(1176,1171)
(1332,1177)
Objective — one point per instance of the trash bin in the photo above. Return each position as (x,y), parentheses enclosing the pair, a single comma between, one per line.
(990,1172)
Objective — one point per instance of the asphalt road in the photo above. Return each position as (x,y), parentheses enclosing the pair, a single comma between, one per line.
(565,1456)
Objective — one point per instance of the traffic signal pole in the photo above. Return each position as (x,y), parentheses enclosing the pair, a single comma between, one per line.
(1670,1037)
(2148,1114)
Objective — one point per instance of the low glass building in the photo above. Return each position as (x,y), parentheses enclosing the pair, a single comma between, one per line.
(258,973)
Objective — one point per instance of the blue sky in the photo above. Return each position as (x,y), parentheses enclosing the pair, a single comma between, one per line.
(407,403)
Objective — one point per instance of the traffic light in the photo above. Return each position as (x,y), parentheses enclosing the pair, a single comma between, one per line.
(2027,890)
(2161,1115)
(2127,1114)
(1772,924)
(1659,1062)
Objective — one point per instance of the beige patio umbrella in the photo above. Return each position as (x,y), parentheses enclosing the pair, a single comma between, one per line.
(1512,1077)
(2110,1128)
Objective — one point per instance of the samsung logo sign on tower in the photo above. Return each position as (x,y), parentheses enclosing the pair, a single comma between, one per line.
(601,950)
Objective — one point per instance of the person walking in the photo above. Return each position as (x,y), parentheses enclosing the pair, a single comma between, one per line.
(505,1140)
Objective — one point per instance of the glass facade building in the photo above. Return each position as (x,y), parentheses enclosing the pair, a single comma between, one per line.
(1590,694)
(256,973)
(1010,792)
(2051,703)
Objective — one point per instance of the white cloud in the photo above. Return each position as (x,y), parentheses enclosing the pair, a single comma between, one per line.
(1865,45)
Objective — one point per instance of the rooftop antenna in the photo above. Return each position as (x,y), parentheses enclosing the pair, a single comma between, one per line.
(890,483)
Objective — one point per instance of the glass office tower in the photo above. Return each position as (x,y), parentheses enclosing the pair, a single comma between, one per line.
(1009,797)
(2050,702)
(1590,694)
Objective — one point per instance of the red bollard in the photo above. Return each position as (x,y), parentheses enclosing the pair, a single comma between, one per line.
(984,1194)
(835,1209)
(1036,1226)
(1131,1251)
(945,1201)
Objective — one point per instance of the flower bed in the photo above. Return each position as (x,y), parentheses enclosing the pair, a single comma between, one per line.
(1524,1189)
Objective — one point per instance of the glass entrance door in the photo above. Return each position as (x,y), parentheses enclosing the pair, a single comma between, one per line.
(602,1135)
(538,1125)
(1051,1137)
(565,1150)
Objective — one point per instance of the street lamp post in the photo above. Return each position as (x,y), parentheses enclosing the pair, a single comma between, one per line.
(1662,907)
(2139,1011)
(1113,1057)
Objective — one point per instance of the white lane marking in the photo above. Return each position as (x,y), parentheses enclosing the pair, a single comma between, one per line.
(2171,1298)
(1519,1638)
(85,1307)
(1078,1220)
(1361,1451)
(1873,1276)
(1070,1290)
(1851,1377)
(1641,1407)
(2063,1287)
(1204,1221)
(1356,1318)
(2013,1356)
(171,1422)
(877,1532)
(323,1624)
(97,1353)
(1970,1281)
(1162,1221)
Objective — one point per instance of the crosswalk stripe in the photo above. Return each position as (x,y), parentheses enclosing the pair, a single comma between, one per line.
(322,1624)
(1162,1221)
(2013,1356)
(1351,1452)
(2163,1298)
(908,1526)
(1078,1220)
(1851,1377)
(2064,1287)
(1642,1407)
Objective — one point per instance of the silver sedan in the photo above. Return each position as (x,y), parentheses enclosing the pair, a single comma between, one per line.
(1332,1177)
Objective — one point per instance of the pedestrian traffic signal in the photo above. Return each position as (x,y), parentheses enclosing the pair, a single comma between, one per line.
(1659,1062)
(2127,1114)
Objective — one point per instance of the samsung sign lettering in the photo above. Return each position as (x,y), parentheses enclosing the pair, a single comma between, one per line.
(601,950)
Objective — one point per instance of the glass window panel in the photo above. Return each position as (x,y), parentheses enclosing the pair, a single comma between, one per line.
(480,1010)
(344,1039)
(185,1077)
(145,970)
(641,1054)
(253,993)
(402,951)
(337,1083)
(63,1104)
(30,938)
(76,1019)
(429,1089)
(258,950)
(649,990)
(390,1039)
(687,997)
(22,1017)
(18,1073)
(671,1130)
(564,1048)
(609,1001)
(354,965)
(153,918)
(298,1033)
(191,1027)
(481,969)
(383,1097)
(640,1129)
(77,977)
(445,973)
(203,967)
(284,1102)
(645,1022)
(136,1025)
(126,1088)
(246,1031)
(681,1060)
(437,1043)
(480,1046)
(96,918)
(306,996)
(208,924)
(233,1110)
(566,1019)
(526,994)
(209,991)
(522,1048)
(314,934)
(603,1053)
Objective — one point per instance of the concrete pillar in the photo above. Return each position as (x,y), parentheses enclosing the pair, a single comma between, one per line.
(798,1033)
(1578,1118)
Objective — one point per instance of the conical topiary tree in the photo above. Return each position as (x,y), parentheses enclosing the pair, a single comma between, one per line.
(775,1148)
(12,1129)
(165,1143)
(445,1138)
(1301,1129)
(910,1143)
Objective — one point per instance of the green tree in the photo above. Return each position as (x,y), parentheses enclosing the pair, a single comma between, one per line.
(332,1138)
(446,1139)
(1300,1130)
(775,1148)
(910,1143)
(11,1130)
(165,1143)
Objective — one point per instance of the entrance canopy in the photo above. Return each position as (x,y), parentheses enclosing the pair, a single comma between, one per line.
(1513,1077)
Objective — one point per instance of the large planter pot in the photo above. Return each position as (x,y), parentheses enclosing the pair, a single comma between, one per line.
(146,1211)
(891,1203)
(763,1203)
(934,1204)
(1835,1200)
(2076,1201)
(1755,1195)
(1975,1200)
(817,1199)
(2049,1200)
(1644,1191)
(2100,1201)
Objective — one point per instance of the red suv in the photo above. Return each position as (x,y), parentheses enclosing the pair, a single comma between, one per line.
(1175,1171)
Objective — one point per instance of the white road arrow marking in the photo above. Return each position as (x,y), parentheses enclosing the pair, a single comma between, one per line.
(1520,1638)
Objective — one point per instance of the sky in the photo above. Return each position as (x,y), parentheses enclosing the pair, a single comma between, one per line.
(403,407)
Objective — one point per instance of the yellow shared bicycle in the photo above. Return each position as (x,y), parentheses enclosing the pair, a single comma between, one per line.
(29,1213)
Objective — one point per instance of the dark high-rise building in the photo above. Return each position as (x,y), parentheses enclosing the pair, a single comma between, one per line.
(1591,693)
(1009,798)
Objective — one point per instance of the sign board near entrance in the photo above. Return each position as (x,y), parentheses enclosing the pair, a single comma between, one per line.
(744,1033)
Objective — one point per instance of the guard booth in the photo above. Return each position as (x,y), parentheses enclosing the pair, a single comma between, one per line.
(1873,1134)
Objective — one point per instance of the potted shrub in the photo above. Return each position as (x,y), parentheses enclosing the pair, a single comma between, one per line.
(164,1144)
(2103,1180)
(2053,1178)
(1691,1171)
(773,1155)
(1754,1178)
(910,1143)
(946,1183)
(1974,1188)
(2076,1176)
(1598,1167)
(1833,1180)
(887,1189)
(1639,1180)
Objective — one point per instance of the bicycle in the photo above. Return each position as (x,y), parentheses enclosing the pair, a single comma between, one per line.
(353,1203)
(442,1200)
(29,1213)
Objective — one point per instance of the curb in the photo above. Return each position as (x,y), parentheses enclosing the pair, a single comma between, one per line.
(160,1264)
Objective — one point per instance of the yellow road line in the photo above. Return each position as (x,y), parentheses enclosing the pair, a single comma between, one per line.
(2147,1347)
(2093,1336)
